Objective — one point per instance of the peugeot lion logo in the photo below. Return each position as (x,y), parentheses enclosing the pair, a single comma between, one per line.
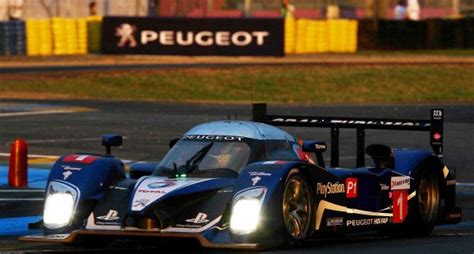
(125,31)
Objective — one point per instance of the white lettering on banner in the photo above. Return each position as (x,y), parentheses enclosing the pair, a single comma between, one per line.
(222,38)
(166,38)
(260,36)
(184,42)
(148,35)
(204,38)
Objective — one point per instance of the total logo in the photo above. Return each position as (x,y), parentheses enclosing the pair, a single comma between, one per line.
(199,219)
(162,184)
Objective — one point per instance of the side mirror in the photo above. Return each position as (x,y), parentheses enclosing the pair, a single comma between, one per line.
(109,140)
(316,147)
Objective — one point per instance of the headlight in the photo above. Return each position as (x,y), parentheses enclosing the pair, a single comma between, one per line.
(58,210)
(61,201)
(245,216)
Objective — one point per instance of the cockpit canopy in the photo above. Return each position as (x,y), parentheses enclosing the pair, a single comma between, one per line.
(227,145)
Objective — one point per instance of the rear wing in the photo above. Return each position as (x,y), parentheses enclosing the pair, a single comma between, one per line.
(433,125)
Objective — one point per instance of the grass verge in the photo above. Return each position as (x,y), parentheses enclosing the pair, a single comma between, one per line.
(296,84)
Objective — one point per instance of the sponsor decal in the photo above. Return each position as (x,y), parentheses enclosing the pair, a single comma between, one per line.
(400,183)
(125,31)
(437,113)
(330,188)
(203,38)
(454,215)
(68,171)
(86,159)
(320,147)
(367,222)
(400,205)
(450,182)
(214,138)
(337,221)
(255,180)
(184,36)
(259,174)
(437,136)
(328,121)
(274,162)
(151,191)
(162,184)
(384,187)
(57,237)
(351,184)
(110,216)
(140,203)
(199,219)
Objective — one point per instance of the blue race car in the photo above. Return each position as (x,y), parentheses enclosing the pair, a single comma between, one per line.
(249,184)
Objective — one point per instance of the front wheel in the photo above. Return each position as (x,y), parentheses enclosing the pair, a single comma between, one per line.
(296,207)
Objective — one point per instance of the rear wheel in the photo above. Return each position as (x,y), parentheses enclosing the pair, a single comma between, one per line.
(426,205)
(297,207)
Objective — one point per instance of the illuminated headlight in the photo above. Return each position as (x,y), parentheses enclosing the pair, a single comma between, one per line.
(58,210)
(246,214)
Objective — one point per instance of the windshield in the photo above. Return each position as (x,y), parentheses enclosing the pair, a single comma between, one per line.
(202,155)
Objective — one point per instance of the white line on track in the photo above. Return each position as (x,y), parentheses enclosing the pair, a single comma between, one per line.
(20,190)
(33,156)
(20,199)
(468,185)
(39,141)
(45,112)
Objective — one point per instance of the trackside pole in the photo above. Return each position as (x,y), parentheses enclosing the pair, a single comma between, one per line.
(18,167)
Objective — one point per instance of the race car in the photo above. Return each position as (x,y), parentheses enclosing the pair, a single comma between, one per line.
(252,185)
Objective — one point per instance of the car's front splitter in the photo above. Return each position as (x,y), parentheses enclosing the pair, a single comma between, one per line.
(73,236)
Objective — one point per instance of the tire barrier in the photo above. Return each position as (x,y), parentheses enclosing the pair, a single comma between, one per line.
(12,38)
(43,37)
(319,36)
(409,35)
(39,38)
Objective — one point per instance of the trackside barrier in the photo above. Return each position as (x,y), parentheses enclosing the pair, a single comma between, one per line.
(18,167)
(319,36)
(12,38)
(57,36)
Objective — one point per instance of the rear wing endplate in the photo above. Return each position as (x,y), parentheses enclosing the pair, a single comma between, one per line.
(433,125)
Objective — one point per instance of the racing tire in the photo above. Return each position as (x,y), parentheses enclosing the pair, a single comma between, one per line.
(424,208)
(297,208)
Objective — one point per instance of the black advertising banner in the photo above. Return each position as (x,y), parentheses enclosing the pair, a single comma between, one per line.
(193,36)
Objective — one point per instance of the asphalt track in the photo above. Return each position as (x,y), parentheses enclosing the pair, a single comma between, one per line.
(60,127)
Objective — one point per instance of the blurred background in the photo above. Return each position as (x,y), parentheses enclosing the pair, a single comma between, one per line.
(24,9)
(72,27)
